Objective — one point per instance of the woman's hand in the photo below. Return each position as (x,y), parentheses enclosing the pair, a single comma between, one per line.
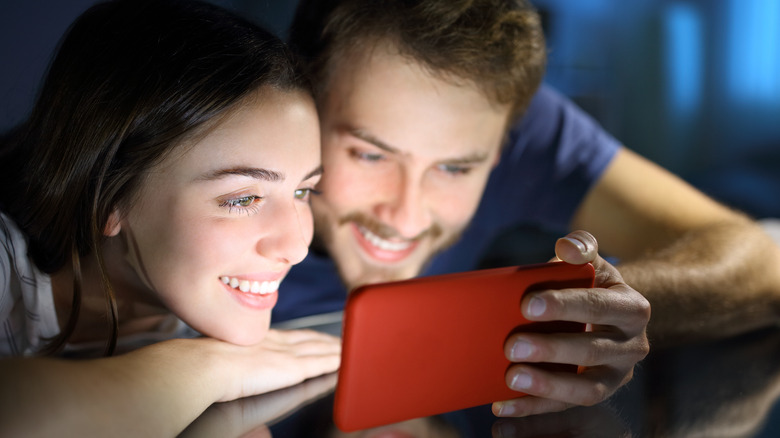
(282,359)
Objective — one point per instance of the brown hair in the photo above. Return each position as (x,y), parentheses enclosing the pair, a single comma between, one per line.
(130,81)
(496,44)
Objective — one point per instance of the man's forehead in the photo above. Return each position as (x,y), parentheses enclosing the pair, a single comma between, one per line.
(397,103)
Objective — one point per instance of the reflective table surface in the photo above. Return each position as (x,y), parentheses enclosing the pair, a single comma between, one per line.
(727,388)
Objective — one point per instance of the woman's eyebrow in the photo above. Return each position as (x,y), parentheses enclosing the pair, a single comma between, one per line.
(313,173)
(252,172)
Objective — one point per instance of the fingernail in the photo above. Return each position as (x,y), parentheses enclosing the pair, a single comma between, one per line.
(579,244)
(522,350)
(521,381)
(506,410)
(536,306)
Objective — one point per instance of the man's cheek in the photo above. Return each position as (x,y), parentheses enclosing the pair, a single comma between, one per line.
(351,189)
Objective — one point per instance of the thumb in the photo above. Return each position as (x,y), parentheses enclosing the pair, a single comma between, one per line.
(578,247)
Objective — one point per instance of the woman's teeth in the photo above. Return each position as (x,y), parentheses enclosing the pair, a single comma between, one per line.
(255,287)
(383,244)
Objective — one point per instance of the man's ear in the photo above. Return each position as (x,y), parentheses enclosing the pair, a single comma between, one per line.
(113,224)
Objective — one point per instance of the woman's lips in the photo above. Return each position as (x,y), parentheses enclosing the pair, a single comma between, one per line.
(254,286)
(255,294)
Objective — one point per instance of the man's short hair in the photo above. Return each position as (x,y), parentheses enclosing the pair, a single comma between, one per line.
(498,45)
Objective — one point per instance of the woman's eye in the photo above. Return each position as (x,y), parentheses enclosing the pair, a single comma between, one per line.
(246,204)
(304,194)
(245,201)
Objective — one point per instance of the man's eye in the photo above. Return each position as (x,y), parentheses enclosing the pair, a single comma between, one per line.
(366,156)
(454,169)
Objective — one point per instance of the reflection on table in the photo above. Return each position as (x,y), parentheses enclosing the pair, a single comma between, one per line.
(728,388)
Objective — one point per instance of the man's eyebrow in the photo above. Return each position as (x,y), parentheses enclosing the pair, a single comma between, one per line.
(252,172)
(475,158)
(369,138)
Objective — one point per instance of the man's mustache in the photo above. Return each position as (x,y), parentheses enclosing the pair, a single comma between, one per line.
(386,231)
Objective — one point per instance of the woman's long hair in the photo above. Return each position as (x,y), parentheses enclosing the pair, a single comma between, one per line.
(130,81)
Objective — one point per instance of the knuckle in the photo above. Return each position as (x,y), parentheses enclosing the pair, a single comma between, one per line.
(595,394)
(592,355)
(643,308)
(554,302)
(540,385)
(598,305)
(643,348)
(628,376)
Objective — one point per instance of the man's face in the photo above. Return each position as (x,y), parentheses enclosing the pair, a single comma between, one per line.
(406,157)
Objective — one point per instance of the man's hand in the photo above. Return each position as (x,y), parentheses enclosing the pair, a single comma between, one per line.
(614,341)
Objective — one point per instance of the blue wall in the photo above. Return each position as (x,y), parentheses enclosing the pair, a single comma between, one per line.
(691,84)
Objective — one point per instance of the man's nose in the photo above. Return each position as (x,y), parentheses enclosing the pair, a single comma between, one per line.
(406,208)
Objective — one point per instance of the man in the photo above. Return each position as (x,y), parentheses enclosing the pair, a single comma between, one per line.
(433,145)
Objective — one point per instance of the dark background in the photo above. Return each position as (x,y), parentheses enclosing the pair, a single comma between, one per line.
(693,85)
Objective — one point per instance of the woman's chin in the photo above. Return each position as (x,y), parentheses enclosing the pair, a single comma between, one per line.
(250,334)
(248,341)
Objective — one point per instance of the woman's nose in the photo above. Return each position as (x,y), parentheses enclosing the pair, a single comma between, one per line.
(290,234)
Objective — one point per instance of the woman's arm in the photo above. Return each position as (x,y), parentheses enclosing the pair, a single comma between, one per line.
(156,390)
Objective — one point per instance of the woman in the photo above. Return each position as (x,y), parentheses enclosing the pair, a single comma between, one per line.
(160,185)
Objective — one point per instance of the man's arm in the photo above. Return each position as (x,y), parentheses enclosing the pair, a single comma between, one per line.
(707,271)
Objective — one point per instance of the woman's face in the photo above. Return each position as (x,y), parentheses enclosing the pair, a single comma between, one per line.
(216,228)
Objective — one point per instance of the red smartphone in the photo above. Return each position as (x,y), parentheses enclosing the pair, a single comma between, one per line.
(430,345)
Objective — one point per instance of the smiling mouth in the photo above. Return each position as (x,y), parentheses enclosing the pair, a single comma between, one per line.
(382,250)
(383,244)
(255,287)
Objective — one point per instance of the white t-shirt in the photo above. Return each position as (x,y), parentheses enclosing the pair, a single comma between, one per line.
(27,314)
(27,311)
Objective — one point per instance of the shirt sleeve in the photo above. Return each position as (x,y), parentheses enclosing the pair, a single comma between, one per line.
(553,156)
(12,330)
(27,314)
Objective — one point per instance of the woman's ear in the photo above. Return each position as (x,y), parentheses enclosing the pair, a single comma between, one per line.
(113,224)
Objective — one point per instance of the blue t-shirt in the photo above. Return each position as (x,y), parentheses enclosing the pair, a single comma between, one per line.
(553,157)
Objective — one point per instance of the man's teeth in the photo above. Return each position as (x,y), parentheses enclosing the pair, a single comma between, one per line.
(255,287)
(381,243)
